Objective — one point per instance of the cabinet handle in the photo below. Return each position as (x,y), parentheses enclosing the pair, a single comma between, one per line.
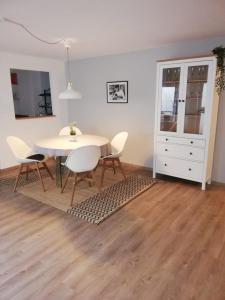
(183,100)
(191,153)
(166,150)
(189,169)
(191,142)
(202,110)
(165,165)
(179,100)
(166,140)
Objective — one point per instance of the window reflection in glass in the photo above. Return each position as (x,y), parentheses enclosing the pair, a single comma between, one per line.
(195,99)
(169,100)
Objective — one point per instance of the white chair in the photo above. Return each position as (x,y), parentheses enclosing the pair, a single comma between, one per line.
(26,158)
(82,161)
(66,130)
(117,146)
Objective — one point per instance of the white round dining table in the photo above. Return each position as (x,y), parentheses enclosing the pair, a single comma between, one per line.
(63,145)
(60,146)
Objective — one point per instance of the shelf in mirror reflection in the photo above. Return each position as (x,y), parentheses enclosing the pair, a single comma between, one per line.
(189,81)
(194,98)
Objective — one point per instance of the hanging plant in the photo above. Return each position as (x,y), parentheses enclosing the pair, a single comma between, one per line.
(220,80)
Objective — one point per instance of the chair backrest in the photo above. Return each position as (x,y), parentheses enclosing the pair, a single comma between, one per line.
(83,158)
(19,148)
(66,130)
(118,142)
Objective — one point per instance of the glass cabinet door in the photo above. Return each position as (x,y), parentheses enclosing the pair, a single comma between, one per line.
(195,102)
(169,99)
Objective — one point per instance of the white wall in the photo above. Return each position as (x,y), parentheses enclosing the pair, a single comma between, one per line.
(28,129)
(94,115)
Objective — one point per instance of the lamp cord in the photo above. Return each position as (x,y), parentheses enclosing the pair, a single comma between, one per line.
(31,33)
(62,41)
(68,66)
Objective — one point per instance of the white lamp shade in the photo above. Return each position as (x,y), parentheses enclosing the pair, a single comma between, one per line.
(69,93)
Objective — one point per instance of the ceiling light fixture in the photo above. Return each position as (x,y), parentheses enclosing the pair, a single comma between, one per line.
(69,93)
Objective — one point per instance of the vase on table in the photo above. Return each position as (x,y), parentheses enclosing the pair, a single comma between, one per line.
(73,131)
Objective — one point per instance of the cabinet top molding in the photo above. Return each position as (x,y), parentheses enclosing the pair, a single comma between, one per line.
(187,58)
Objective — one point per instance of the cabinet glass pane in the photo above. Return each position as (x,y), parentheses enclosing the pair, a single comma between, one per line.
(169,101)
(195,99)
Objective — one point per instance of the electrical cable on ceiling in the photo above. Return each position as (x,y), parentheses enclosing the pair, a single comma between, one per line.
(31,33)
(69,93)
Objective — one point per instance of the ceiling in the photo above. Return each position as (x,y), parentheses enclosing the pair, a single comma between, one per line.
(103,27)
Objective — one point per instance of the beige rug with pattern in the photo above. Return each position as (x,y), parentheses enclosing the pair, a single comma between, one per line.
(97,208)
(89,204)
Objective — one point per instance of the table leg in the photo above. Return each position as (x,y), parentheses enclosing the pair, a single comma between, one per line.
(59,170)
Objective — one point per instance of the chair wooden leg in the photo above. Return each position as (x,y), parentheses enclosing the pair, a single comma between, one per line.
(94,181)
(47,169)
(17,177)
(98,164)
(103,171)
(121,168)
(40,177)
(113,164)
(65,183)
(27,172)
(60,169)
(74,185)
(90,179)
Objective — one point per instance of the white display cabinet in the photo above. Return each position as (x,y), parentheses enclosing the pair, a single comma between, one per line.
(186,116)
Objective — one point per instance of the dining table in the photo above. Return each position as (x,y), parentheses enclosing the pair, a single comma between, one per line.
(60,147)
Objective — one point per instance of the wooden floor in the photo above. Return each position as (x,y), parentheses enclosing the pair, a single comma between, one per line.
(169,243)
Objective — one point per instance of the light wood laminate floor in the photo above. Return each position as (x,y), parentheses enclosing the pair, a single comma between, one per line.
(169,243)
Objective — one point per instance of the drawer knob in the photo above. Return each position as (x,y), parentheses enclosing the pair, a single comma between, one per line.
(189,169)
(191,142)
(165,165)
(191,153)
(166,139)
(166,150)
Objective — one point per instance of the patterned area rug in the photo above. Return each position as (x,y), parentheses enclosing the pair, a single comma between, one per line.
(10,181)
(100,206)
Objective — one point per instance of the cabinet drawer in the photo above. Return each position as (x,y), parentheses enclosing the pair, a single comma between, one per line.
(181,141)
(180,151)
(179,168)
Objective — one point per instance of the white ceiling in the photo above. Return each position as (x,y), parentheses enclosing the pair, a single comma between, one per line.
(103,27)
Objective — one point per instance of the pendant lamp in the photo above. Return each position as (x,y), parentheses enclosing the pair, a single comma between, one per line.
(69,93)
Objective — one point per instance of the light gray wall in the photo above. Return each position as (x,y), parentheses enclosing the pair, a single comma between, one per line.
(30,130)
(94,115)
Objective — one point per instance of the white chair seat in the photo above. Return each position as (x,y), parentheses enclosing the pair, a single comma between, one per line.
(117,146)
(82,161)
(111,155)
(25,156)
(28,160)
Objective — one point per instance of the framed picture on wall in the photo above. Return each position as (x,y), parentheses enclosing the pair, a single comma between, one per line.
(117,92)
